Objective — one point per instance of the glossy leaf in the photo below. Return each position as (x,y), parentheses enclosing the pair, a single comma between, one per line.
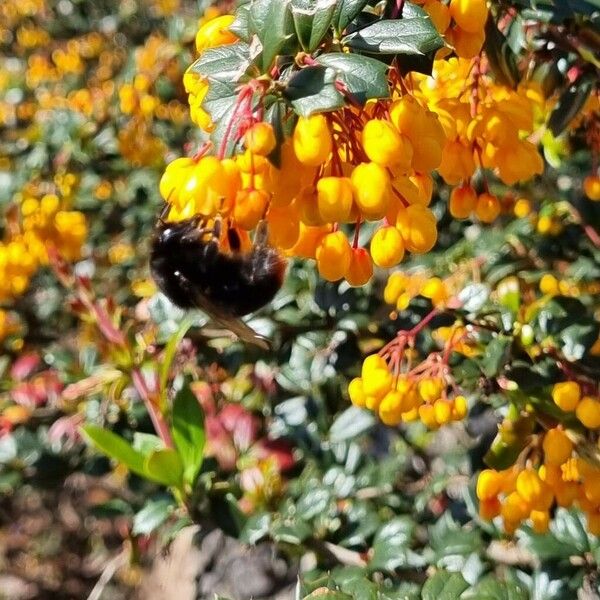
(164,466)
(114,446)
(414,34)
(569,104)
(364,77)
(188,433)
(345,12)
(312,20)
(271,21)
(152,516)
(444,586)
(312,90)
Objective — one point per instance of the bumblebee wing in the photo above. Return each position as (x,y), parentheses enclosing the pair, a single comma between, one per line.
(233,324)
(227,321)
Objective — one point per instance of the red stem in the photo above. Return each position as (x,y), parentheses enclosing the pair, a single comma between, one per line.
(160,425)
(420,326)
(398,8)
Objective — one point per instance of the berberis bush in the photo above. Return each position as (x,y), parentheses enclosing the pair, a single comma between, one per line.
(418,413)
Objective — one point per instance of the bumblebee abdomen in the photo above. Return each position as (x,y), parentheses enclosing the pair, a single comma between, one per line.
(194,273)
(244,283)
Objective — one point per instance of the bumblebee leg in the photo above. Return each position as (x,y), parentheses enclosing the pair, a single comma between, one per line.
(210,250)
(195,234)
(261,237)
(216,229)
(235,244)
(164,213)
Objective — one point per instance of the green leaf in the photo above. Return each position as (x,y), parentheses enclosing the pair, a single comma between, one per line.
(313,502)
(312,19)
(501,454)
(152,516)
(291,531)
(502,59)
(448,538)
(491,588)
(171,349)
(570,528)
(329,595)
(474,296)
(312,89)
(188,433)
(164,466)
(226,64)
(115,447)
(256,528)
(444,586)
(345,12)
(577,339)
(497,354)
(571,101)
(363,77)
(350,424)
(414,34)
(240,25)
(271,21)
(146,442)
(391,545)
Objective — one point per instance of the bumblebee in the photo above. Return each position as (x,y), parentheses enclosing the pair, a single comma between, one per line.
(192,269)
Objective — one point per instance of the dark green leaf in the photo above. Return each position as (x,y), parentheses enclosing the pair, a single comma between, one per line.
(111,509)
(491,588)
(256,528)
(569,104)
(188,433)
(312,19)
(496,356)
(312,89)
(502,59)
(345,11)
(152,516)
(271,21)
(412,35)
(391,545)
(363,77)
(444,586)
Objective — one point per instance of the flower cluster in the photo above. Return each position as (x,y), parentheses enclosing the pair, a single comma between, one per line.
(555,469)
(44,224)
(400,391)
(347,167)
(462,22)
(487,126)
